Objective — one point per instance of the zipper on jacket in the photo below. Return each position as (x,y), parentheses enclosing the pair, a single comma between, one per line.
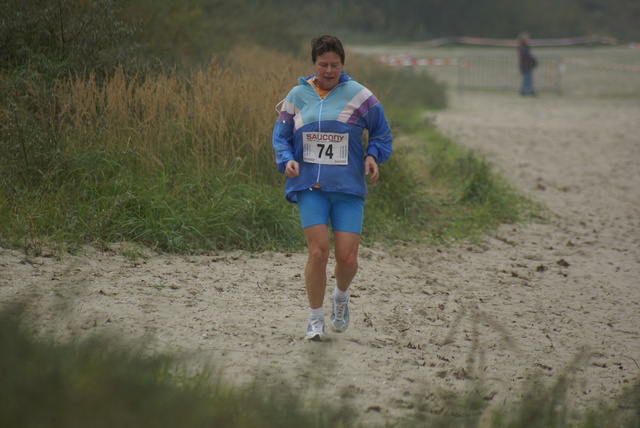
(320,130)
(320,121)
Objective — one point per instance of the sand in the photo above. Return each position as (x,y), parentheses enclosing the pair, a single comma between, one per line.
(537,300)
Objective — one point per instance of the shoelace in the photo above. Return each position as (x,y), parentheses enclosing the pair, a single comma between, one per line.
(317,324)
(340,309)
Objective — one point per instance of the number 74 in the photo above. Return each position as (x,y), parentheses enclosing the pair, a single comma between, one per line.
(328,152)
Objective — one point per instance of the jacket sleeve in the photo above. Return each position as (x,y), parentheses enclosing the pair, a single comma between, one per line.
(380,139)
(282,138)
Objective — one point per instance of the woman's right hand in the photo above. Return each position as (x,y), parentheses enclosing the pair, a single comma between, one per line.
(292,169)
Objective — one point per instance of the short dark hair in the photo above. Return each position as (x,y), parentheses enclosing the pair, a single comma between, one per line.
(326,43)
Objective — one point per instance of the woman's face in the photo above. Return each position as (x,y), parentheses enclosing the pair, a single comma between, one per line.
(327,68)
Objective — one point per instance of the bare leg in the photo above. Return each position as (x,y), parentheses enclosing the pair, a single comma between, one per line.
(315,274)
(346,252)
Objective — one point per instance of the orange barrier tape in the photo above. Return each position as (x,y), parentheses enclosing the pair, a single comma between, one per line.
(404,60)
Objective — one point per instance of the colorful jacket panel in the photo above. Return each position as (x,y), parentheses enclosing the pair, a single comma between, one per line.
(349,108)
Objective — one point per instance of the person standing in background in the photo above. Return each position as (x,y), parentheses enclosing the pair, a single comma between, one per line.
(318,144)
(527,64)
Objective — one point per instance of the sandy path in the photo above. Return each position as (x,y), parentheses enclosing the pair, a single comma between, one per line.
(574,282)
(525,302)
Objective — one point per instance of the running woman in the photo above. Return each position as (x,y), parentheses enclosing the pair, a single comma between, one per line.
(319,147)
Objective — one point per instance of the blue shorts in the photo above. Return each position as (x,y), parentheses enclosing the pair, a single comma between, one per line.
(345,211)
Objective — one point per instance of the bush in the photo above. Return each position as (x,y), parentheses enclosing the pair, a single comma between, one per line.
(61,37)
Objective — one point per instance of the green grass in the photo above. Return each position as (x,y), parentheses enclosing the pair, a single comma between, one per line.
(476,198)
(98,196)
(98,383)
(432,191)
(542,405)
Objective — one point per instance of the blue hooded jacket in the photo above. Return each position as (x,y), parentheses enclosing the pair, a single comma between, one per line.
(349,108)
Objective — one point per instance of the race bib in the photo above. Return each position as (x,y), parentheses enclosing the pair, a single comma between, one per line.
(327,148)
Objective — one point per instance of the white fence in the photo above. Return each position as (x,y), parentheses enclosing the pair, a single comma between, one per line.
(501,72)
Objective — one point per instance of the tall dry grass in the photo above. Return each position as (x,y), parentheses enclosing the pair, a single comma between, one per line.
(211,118)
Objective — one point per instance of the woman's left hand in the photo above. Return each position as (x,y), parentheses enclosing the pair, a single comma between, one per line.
(371,166)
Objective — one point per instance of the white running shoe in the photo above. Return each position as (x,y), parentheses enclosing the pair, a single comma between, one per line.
(315,329)
(339,314)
